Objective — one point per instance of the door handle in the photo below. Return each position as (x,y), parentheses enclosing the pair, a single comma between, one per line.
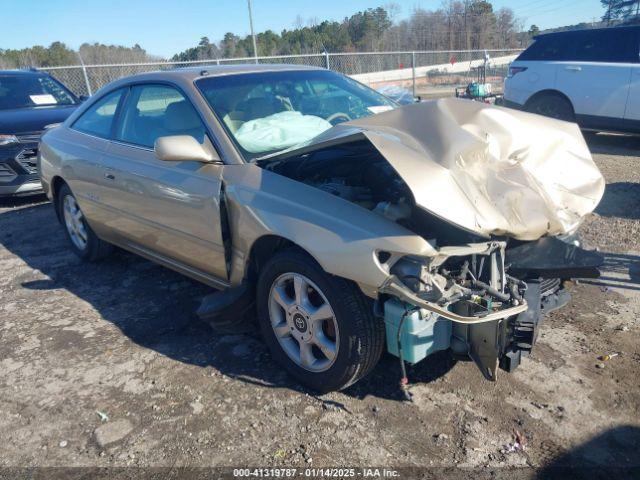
(109,176)
(573,68)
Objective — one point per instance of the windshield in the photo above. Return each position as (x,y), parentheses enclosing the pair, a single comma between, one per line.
(270,111)
(25,91)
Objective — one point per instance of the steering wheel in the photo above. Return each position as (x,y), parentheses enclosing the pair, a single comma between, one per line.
(343,117)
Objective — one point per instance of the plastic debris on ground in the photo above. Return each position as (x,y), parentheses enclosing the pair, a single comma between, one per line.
(103,416)
(609,356)
(518,445)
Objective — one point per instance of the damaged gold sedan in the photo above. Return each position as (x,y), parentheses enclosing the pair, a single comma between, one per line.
(344,223)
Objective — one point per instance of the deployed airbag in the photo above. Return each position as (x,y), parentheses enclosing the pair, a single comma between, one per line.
(278,131)
(487,169)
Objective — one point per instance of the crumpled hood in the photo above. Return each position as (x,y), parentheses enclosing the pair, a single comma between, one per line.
(487,169)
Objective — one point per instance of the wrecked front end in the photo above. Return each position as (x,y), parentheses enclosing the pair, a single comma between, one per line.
(497,206)
(483,301)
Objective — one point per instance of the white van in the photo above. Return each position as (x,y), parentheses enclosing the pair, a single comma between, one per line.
(591,77)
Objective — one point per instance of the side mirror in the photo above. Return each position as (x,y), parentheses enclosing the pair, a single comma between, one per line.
(182,148)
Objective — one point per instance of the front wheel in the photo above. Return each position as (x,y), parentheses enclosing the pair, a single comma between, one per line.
(320,328)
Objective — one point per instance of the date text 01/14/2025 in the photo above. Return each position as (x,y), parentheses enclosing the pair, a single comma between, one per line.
(315,472)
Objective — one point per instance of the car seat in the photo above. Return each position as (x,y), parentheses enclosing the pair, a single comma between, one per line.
(180,118)
(233,120)
(261,107)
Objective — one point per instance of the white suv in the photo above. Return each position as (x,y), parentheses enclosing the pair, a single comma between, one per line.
(591,77)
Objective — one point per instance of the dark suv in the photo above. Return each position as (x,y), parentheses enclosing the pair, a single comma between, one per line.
(29,101)
(591,77)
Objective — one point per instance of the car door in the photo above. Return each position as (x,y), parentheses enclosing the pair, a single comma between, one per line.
(596,77)
(167,210)
(632,111)
(89,139)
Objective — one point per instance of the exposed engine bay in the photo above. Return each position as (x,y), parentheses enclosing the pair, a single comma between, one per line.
(358,173)
(354,172)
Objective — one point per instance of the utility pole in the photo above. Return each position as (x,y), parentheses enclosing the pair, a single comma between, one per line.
(253,35)
(84,74)
(466,31)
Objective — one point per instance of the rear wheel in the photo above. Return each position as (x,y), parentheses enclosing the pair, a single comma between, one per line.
(320,328)
(551,105)
(83,240)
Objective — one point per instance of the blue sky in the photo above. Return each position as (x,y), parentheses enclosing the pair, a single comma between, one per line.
(165,27)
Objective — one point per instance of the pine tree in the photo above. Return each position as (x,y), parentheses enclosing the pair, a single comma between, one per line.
(620,9)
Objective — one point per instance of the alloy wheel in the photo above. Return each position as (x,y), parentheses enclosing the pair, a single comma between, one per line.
(303,322)
(74,221)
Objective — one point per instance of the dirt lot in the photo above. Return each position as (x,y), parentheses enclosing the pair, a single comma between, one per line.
(83,342)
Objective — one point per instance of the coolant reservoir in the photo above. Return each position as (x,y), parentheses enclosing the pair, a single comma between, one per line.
(423,333)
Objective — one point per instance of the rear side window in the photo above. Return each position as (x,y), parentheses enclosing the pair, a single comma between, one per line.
(611,45)
(154,111)
(548,47)
(98,118)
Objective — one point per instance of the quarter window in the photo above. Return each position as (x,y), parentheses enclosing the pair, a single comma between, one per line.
(98,118)
(154,111)
(611,45)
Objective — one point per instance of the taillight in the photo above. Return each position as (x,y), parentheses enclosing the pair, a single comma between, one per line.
(514,70)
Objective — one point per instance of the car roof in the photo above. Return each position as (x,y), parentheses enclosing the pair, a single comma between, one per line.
(202,71)
(594,30)
(18,73)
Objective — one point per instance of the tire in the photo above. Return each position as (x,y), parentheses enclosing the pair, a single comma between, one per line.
(357,334)
(551,105)
(82,239)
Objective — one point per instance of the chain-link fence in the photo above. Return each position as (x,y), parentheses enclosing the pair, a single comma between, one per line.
(418,71)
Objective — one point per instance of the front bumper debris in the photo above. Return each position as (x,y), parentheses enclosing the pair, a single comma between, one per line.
(550,257)
(507,328)
(395,288)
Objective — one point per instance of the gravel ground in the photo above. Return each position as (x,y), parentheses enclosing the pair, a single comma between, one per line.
(105,365)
